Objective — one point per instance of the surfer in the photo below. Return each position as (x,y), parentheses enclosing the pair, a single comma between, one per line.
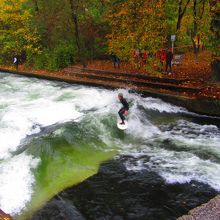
(124,110)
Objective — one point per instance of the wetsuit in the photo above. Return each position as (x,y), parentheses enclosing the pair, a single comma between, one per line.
(123,109)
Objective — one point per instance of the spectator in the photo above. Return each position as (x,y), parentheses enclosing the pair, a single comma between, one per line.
(15,62)
(161,56)
(116,61)
(169,58)
(138,58)
(137,53)
(144,57)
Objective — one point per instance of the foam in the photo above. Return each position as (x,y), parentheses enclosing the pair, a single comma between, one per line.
(139,125)
(160,106)
(27,109)
(205,138)
(193,168)
(16,182)
(177,167)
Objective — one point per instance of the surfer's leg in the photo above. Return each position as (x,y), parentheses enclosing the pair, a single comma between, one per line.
(121,114)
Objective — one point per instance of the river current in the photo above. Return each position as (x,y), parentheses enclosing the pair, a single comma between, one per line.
(55,135)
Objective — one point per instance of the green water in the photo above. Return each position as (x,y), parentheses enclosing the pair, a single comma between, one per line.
(68,156)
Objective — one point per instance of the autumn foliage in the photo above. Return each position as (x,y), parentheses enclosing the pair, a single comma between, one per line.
(136,24)
(55,34)
(17,35)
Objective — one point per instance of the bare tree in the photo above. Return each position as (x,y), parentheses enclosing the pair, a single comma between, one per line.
(74,4)
(181,12)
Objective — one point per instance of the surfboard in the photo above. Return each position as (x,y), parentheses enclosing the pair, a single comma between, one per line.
(122,127)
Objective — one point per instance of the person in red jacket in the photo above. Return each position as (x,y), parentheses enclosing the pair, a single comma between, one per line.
(144,57)
(163,57)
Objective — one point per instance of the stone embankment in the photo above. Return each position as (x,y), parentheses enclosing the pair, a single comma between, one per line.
(207,211)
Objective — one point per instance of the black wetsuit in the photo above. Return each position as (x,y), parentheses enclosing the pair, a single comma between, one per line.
(123,109)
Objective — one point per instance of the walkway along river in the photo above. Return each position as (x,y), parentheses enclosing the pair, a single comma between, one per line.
(55,135)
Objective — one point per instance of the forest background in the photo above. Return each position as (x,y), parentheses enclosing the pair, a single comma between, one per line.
(53,34)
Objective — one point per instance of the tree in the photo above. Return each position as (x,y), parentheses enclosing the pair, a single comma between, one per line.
(181,12)
(74,5)
(17,35)
(192,22)
(86,18)
(215,28)
(136,24)
(199,7)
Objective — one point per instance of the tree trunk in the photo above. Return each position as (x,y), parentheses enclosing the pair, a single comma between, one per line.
(194,30)
(215,27)
(181,13)
(195,37)
(36,6)
(74,11)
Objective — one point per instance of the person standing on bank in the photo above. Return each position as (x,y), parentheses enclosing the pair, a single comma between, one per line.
(116,61)
(15,62)
(169,58)
(124,110)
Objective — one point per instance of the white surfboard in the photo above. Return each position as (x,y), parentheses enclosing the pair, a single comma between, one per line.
(122,127)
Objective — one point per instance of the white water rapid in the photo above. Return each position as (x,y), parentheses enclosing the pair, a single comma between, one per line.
(180,146)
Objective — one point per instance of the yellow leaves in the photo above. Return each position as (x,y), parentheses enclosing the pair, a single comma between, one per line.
(136,23)
(15,28)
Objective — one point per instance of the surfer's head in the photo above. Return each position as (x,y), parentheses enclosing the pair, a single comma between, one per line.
(120,95)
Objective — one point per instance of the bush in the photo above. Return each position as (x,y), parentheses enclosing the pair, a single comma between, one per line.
(61,56)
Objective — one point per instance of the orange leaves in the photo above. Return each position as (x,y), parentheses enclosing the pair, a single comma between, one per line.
(122,12)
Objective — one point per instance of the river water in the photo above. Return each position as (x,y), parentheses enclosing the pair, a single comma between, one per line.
(55,135)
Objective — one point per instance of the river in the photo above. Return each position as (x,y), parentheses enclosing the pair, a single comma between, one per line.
(55,135)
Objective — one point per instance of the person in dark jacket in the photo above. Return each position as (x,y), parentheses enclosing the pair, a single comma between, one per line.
(124,110)
(169,58)
(116,61)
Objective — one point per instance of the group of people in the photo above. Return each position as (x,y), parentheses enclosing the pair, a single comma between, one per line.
(165,57)
(139,57)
